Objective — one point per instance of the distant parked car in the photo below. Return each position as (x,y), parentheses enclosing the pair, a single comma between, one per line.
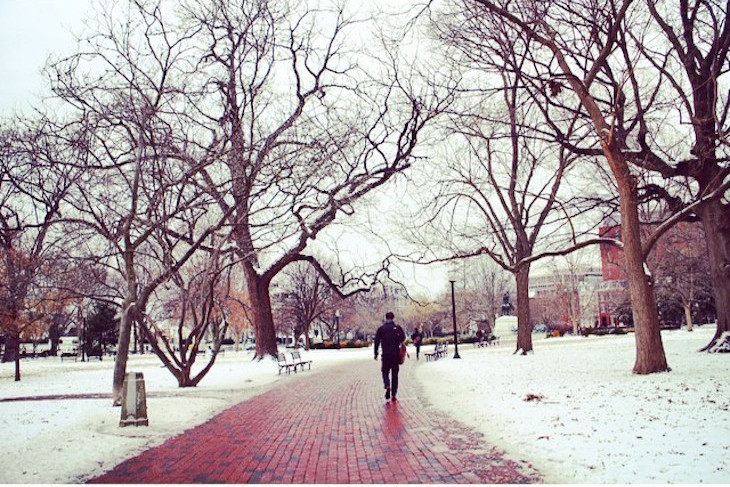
(539,329)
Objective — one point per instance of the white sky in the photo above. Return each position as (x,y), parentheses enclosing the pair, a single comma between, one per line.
(30,30)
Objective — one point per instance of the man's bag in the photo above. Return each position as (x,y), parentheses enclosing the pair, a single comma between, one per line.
(402,353)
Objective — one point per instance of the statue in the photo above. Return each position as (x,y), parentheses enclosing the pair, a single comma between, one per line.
(507,307)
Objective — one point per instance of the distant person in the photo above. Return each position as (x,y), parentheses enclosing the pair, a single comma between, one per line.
(390,336)
(417,338)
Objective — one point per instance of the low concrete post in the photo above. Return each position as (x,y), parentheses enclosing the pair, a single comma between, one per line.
(134,401)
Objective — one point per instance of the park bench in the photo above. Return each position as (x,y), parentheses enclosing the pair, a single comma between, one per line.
(434,354)
(69,354)
(439,350)
(488,341)
(283,363)
(299,361)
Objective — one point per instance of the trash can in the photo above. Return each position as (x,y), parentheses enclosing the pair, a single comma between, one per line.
(134,401)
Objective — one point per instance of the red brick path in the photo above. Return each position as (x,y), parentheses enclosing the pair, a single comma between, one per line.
(324,427)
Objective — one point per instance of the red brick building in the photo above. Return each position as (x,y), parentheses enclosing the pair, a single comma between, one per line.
(683,239)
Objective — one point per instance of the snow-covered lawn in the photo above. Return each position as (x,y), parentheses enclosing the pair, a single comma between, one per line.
(576,412)
(72,440)
(590,420)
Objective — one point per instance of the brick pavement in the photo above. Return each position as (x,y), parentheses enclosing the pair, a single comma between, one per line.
(324,427)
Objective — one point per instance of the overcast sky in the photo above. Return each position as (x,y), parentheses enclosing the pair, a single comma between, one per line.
(30,30)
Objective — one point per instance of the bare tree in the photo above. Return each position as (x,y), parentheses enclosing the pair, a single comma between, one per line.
(681,268)
(431,317)
(500,187)
(606,54)
(691,60)
(138,208)
(33,188)
(305,298)
(196,306)
(307,131)
(572,299)
(236,308)
(490,282)
(575,57)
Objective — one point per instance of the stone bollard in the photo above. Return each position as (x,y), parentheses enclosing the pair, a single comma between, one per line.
(134,401)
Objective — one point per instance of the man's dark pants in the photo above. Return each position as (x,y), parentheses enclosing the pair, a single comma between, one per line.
(390,368)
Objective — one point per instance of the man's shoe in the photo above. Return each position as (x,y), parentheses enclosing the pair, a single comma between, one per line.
(393,398)
(387,394)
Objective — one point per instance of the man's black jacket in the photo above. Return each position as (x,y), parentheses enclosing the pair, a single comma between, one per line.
(390,336)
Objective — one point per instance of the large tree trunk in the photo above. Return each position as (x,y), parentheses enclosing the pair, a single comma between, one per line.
(524,329)
(262,318)
(716,224)
(650,355)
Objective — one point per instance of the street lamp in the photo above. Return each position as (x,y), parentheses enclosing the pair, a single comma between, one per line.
(83,338)
(453,318)
(337,326)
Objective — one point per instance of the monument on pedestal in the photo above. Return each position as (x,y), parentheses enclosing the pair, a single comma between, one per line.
(506,323)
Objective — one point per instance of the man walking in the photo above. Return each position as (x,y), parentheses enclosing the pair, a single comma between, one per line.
(416,338)
(390,336)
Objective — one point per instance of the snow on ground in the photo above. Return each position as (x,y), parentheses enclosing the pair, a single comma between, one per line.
(590,420)
(72,440)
